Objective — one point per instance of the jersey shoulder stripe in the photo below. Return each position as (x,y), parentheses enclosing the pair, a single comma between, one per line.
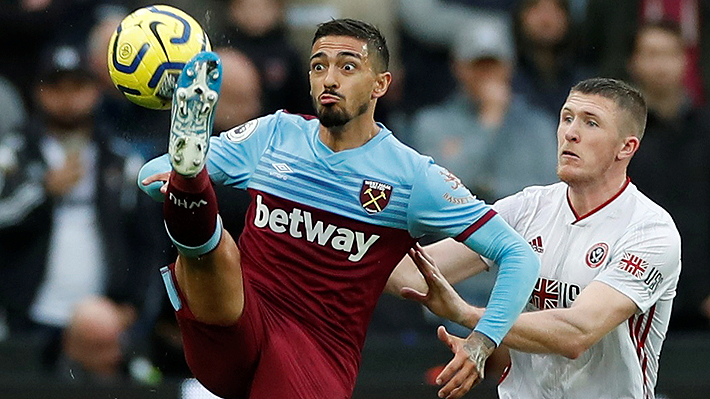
(475,226)
(304,194)
(275,153)
(337,190)
(315,170)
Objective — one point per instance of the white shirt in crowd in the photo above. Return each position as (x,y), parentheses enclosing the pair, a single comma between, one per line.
(75,264)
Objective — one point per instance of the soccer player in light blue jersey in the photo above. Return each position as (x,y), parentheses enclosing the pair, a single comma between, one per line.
(337,202)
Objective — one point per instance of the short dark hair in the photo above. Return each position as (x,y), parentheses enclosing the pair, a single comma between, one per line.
(360,30)
(626,97)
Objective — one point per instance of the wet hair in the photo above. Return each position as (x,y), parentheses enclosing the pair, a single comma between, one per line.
(627,98)
(376,43)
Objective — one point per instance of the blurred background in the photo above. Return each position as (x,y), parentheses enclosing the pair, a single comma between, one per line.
(477,85)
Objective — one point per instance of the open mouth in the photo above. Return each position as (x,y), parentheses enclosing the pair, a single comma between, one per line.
(568,153)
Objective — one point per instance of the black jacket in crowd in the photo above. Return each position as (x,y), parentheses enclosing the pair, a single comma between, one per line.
(130,224)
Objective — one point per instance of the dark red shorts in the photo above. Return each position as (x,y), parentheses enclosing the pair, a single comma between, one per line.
(263,356)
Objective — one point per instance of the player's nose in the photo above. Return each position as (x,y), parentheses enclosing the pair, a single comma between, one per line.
(331,80)
(571,132)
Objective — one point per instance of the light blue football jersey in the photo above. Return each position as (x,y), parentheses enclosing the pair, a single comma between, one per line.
(281,154)
(325,229)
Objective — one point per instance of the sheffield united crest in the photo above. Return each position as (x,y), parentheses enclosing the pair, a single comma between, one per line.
(597,255)
(374,196)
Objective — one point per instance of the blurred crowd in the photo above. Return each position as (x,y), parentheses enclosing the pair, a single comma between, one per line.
(478,85)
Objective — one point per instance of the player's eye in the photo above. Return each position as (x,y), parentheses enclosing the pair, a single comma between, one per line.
(349,67)
(592,123)
(567,119)
(317,67)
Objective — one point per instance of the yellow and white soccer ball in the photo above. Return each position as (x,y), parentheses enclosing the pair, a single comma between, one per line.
(148,51)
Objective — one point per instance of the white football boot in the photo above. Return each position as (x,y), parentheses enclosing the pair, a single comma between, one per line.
(194,101)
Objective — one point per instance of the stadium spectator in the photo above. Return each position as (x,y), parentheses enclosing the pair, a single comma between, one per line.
(13,301)
(14,113)
(292,300)
(546,66)
(239,102)
(610,29)
(610,257)
(256,28)
(676,143)
(240,98)
(71,219)
(494,141)
(429,28)
(32,25)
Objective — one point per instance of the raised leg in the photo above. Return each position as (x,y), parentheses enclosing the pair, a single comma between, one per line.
(208,268)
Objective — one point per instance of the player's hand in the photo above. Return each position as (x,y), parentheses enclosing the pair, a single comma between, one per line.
(440,298)
(465,370)
(164,177)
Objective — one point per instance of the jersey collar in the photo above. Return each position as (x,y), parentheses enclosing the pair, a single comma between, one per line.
(325,153)
(579,218)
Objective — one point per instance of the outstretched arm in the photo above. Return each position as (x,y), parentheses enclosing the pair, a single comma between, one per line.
(515,257)
(616,294)
(597,310)
(518,269)
(441,204)
(569,332)
(231,159)
(454,259)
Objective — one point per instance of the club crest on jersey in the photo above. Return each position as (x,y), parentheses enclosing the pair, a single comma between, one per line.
(451,178)
(374,196)
(242,132)
(597,255)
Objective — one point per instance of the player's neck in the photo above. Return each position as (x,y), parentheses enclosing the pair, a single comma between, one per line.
(353,134)
(588,196)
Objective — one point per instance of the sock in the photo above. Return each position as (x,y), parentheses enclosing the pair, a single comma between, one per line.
(190,211)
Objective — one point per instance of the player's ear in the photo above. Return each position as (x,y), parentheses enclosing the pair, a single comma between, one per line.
(629,148)
(382,83)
